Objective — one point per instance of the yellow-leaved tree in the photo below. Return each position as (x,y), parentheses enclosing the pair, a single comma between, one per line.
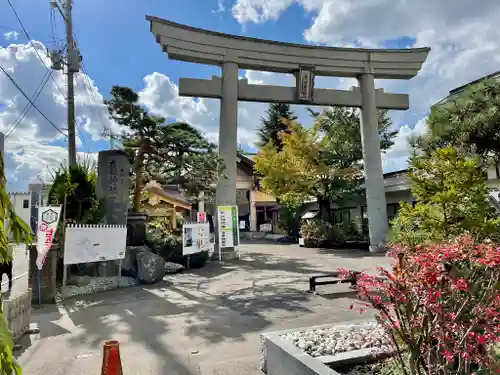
(20,232)
(322,162)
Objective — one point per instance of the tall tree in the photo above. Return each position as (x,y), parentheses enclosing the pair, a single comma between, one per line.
(470,122)
(185,157)
(324,161)
(175,153)
(140,134)
(274,123)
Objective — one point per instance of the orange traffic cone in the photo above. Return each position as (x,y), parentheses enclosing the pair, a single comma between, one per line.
(111,362)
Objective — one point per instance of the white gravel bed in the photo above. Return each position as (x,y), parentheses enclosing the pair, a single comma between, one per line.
(339,339)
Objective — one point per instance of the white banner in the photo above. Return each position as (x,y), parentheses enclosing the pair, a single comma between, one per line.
(195,238)
(48,220)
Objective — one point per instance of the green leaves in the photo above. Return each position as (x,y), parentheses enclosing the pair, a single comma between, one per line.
(21,233)
(452,198)
(470,121)
(278,116)
(323,161)
(175,153)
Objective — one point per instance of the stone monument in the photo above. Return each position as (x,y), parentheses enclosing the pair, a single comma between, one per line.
(231,53)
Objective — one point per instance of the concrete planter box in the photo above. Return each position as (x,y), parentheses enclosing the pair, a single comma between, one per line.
(281,357)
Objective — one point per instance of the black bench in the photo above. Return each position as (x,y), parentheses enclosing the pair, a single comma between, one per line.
(334,279)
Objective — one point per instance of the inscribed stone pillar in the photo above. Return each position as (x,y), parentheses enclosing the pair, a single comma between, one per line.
(228,140)
(113,185)
(374,180)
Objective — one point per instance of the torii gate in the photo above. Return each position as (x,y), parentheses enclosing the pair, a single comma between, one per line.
(231,52)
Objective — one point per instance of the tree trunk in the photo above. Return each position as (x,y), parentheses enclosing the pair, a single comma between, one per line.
(324,208)
(138,178)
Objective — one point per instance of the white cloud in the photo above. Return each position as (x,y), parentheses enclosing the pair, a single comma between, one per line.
(161,96)
(464,41)
(29,147)
(11,35)
(220,7)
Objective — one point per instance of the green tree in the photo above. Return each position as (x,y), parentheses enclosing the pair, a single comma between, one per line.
(185,157)
(20,232)
(275,122)
(173,153)
(77,187)
(470,122)
(324,162)
(451,196)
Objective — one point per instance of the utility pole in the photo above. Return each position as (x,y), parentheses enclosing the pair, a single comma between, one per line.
(73,61)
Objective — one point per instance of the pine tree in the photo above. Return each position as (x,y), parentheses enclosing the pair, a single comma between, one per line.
(273,124)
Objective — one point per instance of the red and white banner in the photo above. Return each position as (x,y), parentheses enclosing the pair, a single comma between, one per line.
(48,219)
(202,217)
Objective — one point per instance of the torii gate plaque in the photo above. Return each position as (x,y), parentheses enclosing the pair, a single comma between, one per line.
(231,53)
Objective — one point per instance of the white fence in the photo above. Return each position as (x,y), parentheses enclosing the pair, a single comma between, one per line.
(17,312)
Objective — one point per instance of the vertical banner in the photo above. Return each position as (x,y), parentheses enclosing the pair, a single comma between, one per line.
(229,231)
(202,217)
(48,219)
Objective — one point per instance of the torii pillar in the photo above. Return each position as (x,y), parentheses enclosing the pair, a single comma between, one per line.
(231,53)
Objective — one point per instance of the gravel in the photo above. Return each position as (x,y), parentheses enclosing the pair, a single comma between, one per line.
(339,339)
(98,284)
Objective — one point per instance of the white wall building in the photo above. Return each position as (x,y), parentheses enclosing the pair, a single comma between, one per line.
(22,207)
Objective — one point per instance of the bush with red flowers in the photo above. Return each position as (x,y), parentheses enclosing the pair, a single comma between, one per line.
(441,306)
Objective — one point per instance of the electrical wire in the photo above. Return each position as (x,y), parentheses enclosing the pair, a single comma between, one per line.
(29,100)
(8,28)
(32,45)
(28,105)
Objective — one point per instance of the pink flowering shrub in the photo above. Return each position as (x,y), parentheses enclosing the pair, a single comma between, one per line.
(441,305)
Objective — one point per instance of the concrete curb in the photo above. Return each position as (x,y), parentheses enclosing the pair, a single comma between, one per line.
(281,357)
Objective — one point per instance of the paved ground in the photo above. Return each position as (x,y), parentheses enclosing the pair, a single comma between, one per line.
(19,273)
(200,322)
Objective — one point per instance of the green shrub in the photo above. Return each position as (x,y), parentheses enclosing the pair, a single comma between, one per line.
(316,231)
(78,183)
(452,198)
(319,232)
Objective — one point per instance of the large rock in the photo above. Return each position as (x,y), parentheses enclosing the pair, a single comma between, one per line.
(173,267)
(150,267)
(129,263)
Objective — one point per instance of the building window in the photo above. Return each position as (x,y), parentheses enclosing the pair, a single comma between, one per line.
(26,203)
(341,216)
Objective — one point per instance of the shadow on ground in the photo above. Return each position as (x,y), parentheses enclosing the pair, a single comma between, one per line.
(221,302)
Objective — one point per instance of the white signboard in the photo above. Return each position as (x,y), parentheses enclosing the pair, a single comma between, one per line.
(229,231)
(266,227)
(48,219)
(195,238)
(94,243)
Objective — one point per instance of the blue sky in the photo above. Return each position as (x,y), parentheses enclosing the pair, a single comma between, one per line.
(118,49)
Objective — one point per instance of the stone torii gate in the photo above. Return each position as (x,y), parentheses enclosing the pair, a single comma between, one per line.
(231,52)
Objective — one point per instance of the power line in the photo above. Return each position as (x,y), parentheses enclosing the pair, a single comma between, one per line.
(8,28)
(96,102)
(32,45)
(30,101)
(28,106)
